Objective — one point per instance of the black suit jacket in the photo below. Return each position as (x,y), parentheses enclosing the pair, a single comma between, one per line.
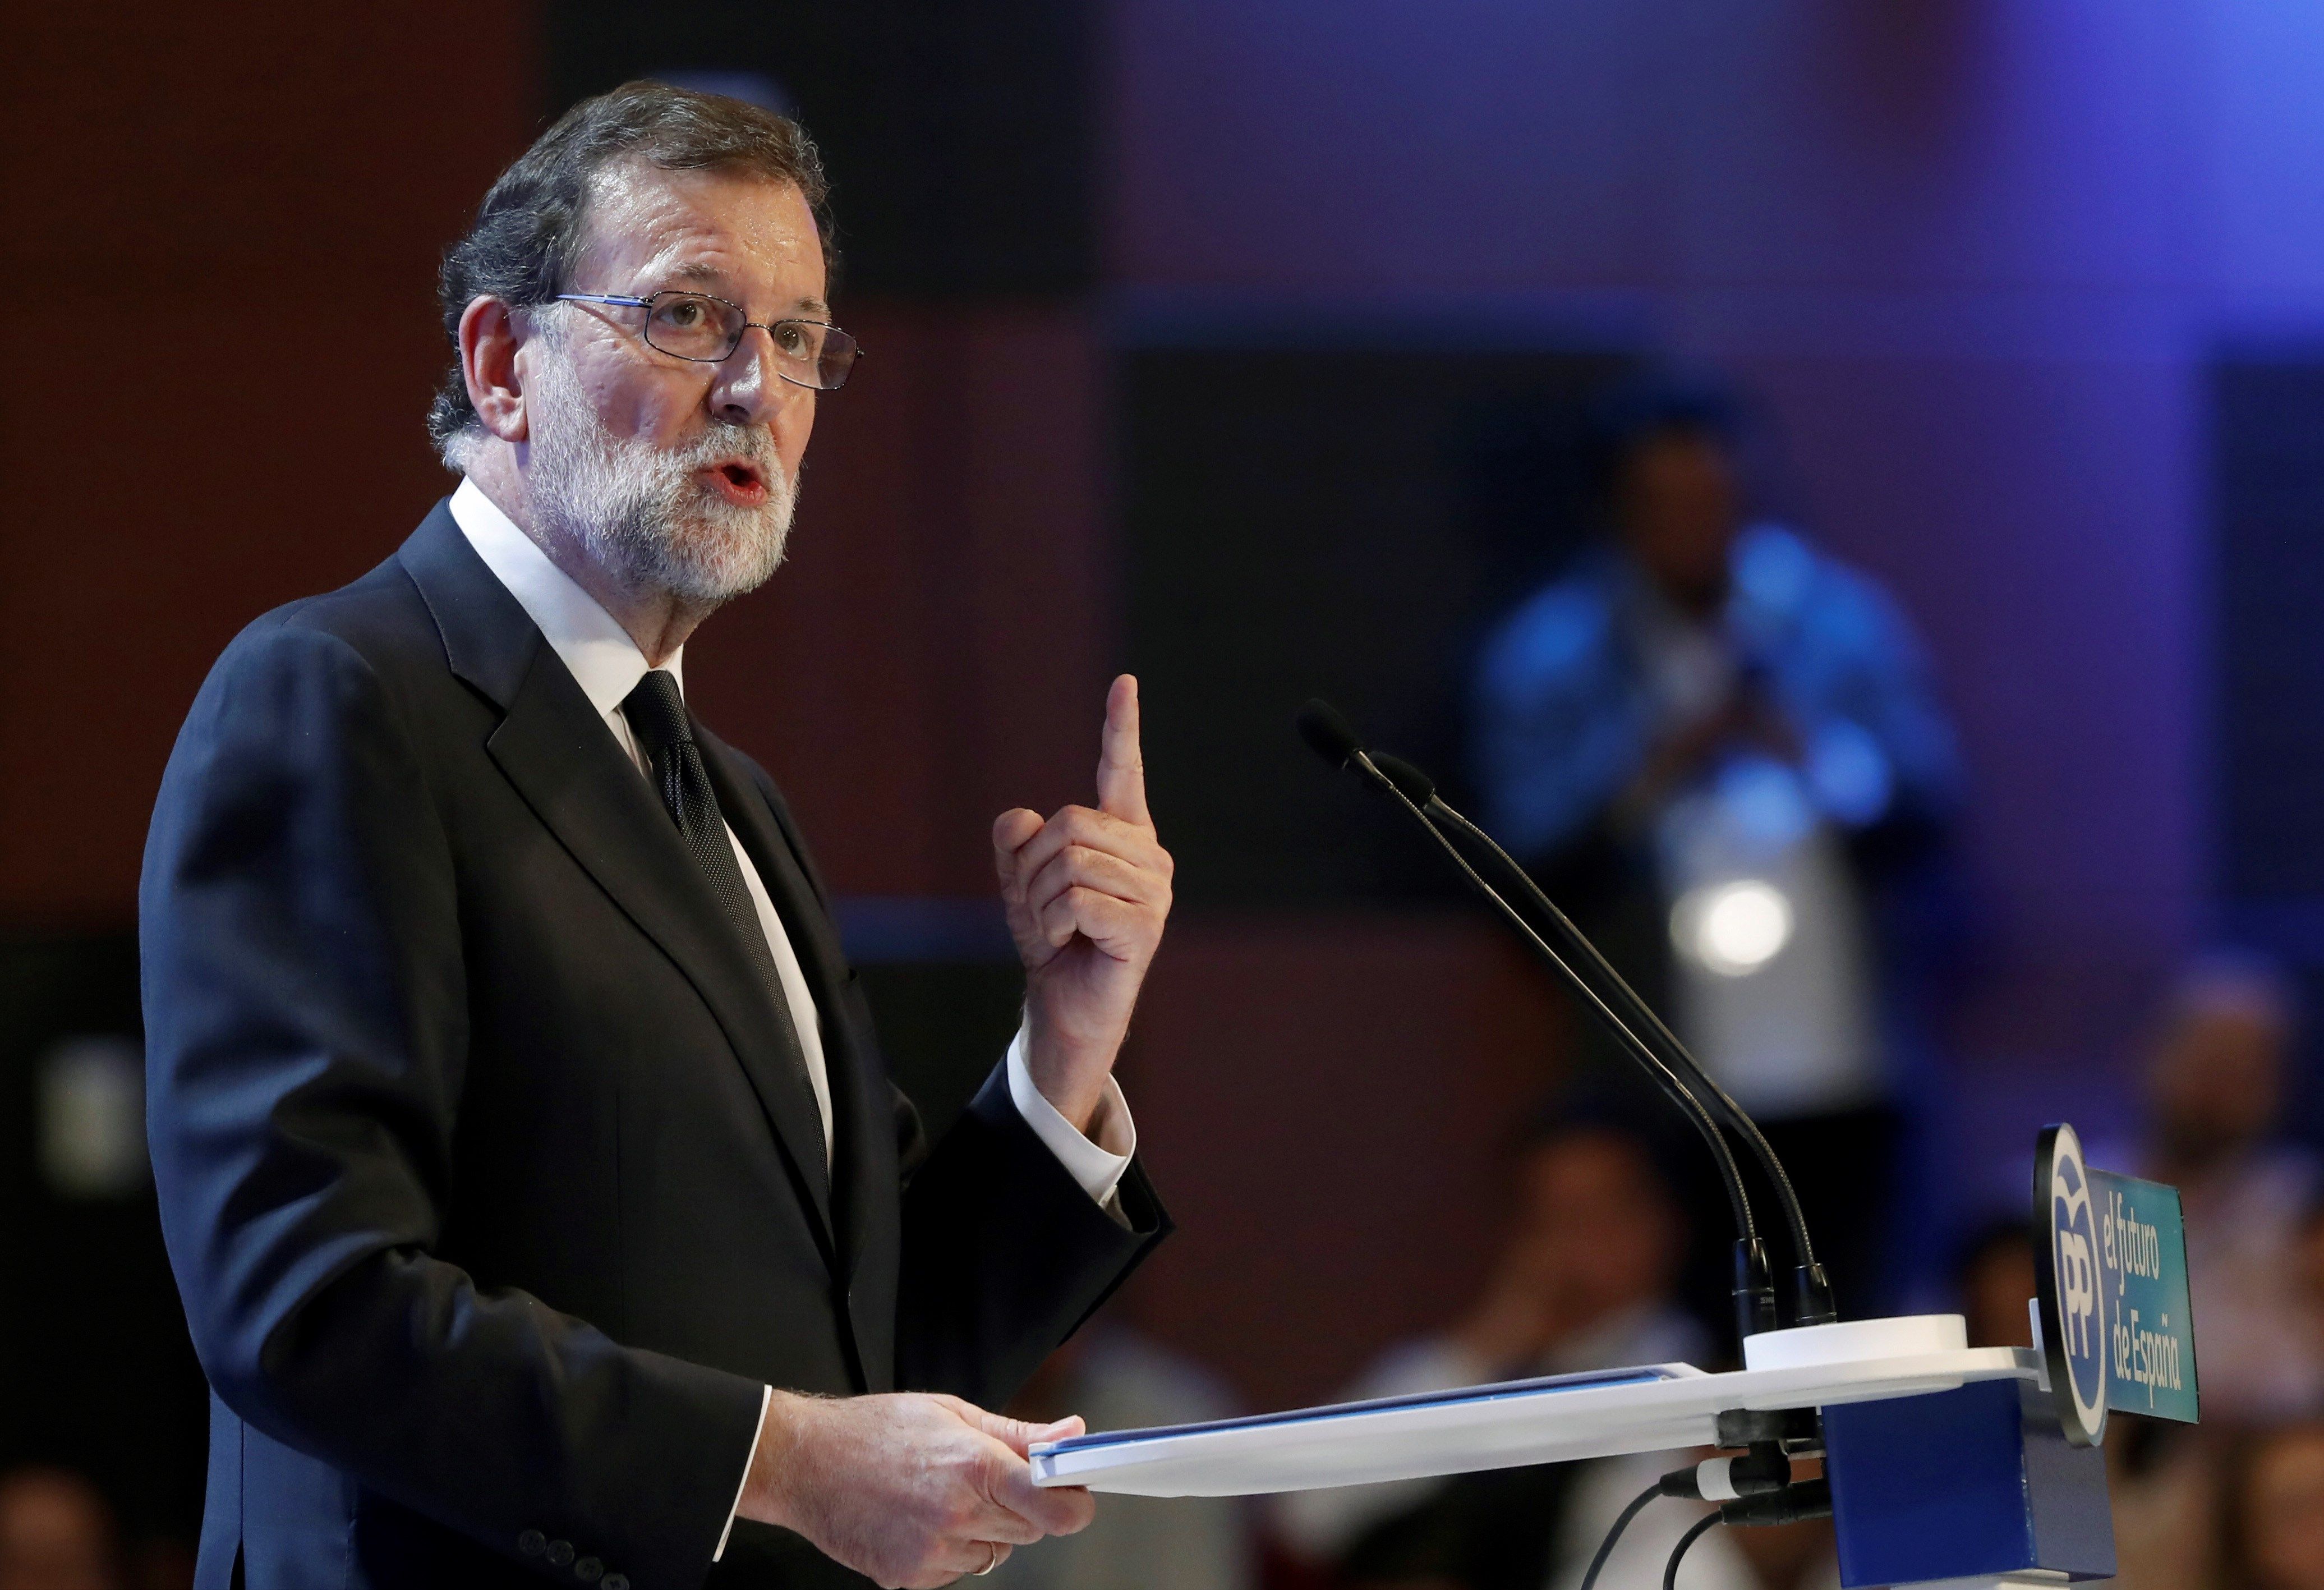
(492,1194)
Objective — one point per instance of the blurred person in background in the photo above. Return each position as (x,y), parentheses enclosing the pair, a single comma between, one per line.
(1117,1380)
(2194,1505)
(2164,1484)
(1722,748)
(2308,1286)
(1585,1280)
(2214,1074)
(56,1533)
(2272,1511)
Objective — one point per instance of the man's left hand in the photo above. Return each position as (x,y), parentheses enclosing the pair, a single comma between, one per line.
(1086,893)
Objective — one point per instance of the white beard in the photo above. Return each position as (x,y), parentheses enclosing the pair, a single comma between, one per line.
(637,509)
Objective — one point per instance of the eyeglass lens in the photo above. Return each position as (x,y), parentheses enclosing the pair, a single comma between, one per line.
(695,326)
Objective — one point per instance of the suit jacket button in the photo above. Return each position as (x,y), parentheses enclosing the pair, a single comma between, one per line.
(532,1542)
(587,1570)
(561,1552)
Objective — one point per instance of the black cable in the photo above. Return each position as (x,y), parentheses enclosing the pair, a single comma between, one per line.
(1606,1547)
(1685,1542)
(1639,1049)
(1802,1498)
(1674,1051)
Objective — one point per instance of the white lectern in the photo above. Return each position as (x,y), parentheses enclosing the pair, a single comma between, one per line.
(1947,1464)
(1978,1416)
(1652,1408)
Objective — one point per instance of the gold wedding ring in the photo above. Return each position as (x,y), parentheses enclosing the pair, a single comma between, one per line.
(993,1561)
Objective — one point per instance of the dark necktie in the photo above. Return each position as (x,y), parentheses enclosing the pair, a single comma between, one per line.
(657,715)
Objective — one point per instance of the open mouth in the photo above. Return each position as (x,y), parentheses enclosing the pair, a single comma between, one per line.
(739,481)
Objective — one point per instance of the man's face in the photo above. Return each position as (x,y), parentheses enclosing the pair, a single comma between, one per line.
(2216,1081)
(680,475)
(1678,507)
(1601,1224)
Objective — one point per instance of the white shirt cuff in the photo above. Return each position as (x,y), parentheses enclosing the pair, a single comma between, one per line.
(766,1396)
(1097,1165)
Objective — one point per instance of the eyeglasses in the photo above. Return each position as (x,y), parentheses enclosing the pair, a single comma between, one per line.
(696,325)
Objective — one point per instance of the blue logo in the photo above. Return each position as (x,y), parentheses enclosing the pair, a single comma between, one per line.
(2075,1303)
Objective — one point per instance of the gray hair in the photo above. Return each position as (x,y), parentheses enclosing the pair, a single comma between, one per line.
(529,230)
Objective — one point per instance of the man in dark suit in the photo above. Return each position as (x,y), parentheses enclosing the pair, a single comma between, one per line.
(541,1204)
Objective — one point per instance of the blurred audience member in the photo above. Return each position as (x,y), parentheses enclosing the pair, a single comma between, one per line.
(56,1533)
(1994,1279)
(2308,1285)
(1116,1380)
(1585,1281)
(1722,747)
(2216,1079)
(2164,1481)
(2272,1512)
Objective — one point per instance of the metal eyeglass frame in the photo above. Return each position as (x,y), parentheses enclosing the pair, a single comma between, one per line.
(624,301)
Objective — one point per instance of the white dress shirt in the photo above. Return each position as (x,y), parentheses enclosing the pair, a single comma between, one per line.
(607,665)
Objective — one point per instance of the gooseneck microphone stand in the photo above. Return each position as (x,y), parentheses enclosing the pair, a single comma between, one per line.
(1626,1017)
(1812,1300)
(1329,735)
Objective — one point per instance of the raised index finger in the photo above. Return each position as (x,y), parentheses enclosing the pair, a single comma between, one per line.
(1121,766)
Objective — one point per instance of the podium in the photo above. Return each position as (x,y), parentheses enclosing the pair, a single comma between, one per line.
(1948,1465)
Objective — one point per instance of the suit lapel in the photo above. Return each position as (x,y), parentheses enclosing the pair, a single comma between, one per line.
(863,1114)
(805,914)
(558,753)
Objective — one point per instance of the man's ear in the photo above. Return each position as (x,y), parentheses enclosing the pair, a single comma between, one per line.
(490,337)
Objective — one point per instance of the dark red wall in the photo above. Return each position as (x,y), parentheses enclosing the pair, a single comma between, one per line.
(220,237)
(230,242)
(1326,1102)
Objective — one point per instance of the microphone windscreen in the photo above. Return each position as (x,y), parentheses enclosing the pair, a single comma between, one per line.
(1416,786)
(1327,733)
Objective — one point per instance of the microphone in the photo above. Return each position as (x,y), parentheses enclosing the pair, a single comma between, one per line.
(1327,733)
(1410,783)
(1666,1061)
(1811,1298)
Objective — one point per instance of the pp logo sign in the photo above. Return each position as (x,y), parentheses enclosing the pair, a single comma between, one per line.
(2073,1294)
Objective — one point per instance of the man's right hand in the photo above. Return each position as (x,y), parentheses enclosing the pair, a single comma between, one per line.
(911,1490)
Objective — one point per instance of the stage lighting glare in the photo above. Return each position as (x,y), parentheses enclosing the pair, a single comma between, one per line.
(1733,928)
